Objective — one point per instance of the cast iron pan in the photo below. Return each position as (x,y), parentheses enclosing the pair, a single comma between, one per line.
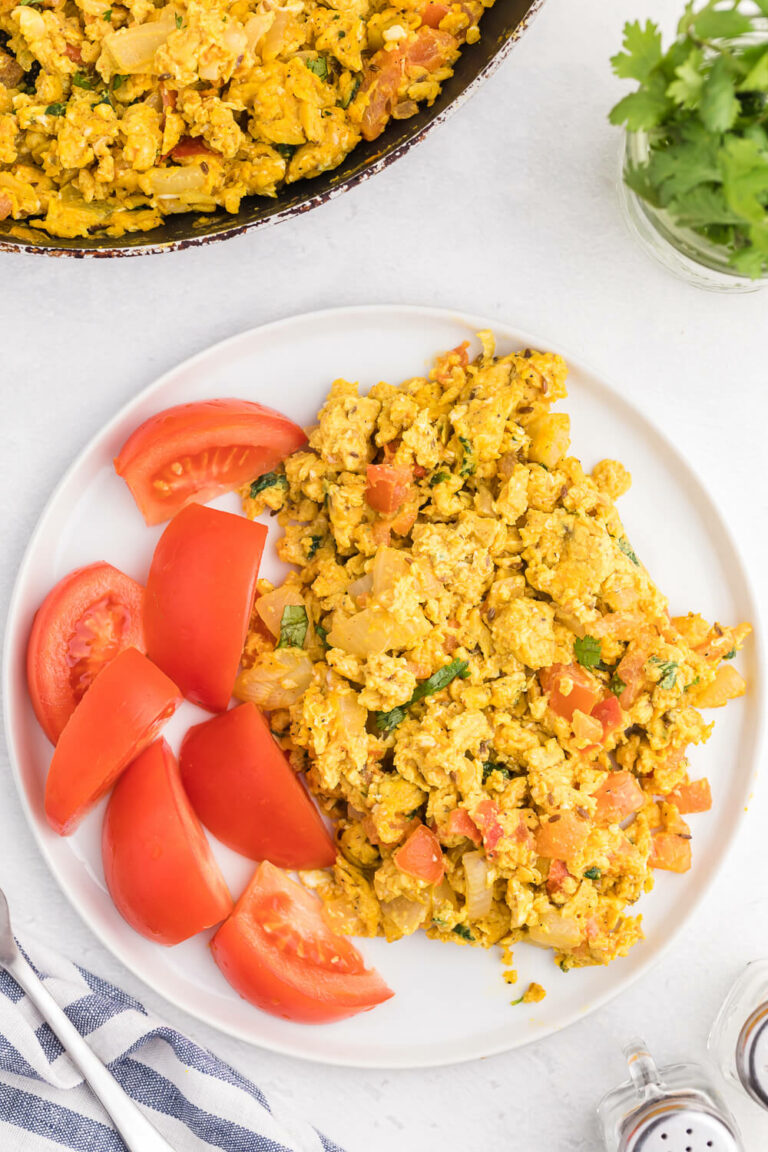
(501,27)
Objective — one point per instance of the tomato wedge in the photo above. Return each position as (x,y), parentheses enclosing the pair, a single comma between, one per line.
(244,790)
(158,865)
(192,146)
(562,836)
(90,616)
(695,796)
(279,951)
(198,601)
(670,852)
(421,856)
(193,452)
(120,714)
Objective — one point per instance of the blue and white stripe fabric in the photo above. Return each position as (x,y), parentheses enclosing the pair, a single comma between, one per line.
(194,1099)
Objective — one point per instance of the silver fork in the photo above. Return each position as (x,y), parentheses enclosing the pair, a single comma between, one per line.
(134,1129)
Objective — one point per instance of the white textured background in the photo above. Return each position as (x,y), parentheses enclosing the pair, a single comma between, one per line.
(510,210)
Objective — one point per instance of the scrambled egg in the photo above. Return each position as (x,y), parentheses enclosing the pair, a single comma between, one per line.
(474,669)
(113,115)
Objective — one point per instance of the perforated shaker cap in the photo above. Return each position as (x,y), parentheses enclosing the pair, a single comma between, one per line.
(678,1124)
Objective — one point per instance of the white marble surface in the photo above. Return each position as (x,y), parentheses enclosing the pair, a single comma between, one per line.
(510,210)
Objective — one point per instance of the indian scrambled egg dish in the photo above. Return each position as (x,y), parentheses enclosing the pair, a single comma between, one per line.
(474,669)
(113,115)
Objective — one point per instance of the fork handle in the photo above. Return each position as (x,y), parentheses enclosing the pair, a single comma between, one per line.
(136,1132)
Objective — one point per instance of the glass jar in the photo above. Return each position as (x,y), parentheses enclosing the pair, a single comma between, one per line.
(681,250)
(738,1042)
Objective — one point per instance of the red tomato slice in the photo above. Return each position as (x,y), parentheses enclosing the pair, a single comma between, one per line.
(388,70)
(388,487)
(460,823)
(558,873)
(696,796)
(158,865)
(670,852)
(90,616)
(244,790)
(421,856)
(193,452)
(609,713)
(191,146)
(198,601)
(562,837)
(618,797)
(487,818)
(583,695)
(279,951)
(120,714)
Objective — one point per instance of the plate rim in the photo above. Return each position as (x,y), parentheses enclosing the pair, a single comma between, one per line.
(712,505)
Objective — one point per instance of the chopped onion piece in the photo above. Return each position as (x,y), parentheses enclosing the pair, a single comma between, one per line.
(271,605)
(556,931)
(479,889)
(133,49)
(176,181)
(277,679)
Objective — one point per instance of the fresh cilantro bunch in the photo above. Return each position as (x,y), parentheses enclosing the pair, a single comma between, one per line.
(704,105)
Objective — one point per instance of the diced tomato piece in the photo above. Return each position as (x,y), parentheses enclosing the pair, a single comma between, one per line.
(487,819)
(405,520)
(198,601)
(558,872)
(432,14)
(460,823)
(421,856)
(279,951)
(561,837)
(388,487)
(670,852)
(242,787)
(419,472)
(193,452)
(117,718)
(73,53)
(618,797)
(381,531)
(584,692)
(610,715)
(695,796)
(191,146)
(84,622)
(630,670)
(159,867)
(387,72)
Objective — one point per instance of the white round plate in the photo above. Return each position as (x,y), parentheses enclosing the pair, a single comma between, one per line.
(450,1004)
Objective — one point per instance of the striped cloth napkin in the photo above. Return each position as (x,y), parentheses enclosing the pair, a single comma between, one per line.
(194,1099)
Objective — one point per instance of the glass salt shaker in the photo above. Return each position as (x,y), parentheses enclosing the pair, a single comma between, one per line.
(738,1042)
(675,1109)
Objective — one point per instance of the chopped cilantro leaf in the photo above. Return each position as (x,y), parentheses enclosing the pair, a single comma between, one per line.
(468,463)
(55,109)
(519,1000)
(667,672)
(117,81)
(323,634)
(626,548)
(730,655)
(693,683)
(285,150)
(387,721)
(345,103)
(293,627)
(314,544)
(107,15)
(593,873)
(179,21)
(268,480)
(438,478)
(490,766)
(464,932)
(80,80)
(616,685)
(319,67)
(587,650)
